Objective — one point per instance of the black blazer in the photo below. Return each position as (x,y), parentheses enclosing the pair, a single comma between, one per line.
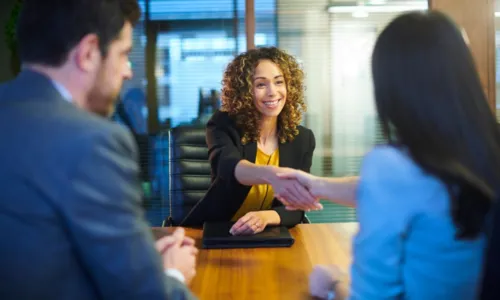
(226,195)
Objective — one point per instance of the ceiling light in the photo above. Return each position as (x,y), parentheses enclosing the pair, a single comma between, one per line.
(377,9)
(378,2)
(360,14)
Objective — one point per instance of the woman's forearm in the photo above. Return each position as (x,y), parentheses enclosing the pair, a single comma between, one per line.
(340,190)
(248,173)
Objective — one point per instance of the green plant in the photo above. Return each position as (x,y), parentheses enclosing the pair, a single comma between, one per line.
(10,36)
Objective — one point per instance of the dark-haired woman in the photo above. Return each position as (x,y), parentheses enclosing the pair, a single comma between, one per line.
(422,199)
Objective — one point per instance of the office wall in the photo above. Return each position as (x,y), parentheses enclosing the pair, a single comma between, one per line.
(5,71)
(304,31)
(478,19)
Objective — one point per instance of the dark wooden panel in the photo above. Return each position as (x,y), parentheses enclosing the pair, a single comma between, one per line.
(477,17)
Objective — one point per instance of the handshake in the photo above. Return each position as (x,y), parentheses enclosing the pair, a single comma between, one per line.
(297,190)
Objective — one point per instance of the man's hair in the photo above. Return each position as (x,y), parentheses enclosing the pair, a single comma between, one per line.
(48,29)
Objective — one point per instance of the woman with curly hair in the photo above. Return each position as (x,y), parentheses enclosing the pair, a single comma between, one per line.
(255,133)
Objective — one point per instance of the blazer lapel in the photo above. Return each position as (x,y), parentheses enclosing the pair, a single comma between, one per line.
(286,155)
(250,151)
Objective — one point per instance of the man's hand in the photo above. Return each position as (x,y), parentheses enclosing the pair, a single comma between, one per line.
(255,222)
(295,190)
(165,242)
(178,252)
(322,280)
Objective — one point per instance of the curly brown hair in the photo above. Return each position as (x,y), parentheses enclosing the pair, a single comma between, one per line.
(237,93)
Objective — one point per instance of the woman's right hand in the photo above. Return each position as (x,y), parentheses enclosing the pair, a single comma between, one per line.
(294,194)
(308,182)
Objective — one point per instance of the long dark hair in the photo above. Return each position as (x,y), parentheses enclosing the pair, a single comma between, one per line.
(430,100)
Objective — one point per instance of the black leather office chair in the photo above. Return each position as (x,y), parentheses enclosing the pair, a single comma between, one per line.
(189,171)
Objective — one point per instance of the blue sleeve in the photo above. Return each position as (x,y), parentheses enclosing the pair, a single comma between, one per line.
(383,216)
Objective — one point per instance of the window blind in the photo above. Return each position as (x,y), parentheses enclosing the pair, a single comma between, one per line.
(334,41)
(196,39)
(497,58)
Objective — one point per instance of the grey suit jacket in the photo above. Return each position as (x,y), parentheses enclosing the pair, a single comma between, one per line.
(71,223)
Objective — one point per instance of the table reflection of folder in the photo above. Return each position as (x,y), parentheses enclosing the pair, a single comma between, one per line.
(216,235)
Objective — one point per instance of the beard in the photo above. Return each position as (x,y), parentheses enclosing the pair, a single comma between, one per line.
(101,104)
(102,98)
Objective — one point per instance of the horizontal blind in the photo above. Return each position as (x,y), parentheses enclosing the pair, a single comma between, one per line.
(196,40)
(335,49)
(497,60)
(497,57)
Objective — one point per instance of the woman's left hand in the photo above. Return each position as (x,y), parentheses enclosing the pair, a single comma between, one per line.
(323,279)
(251,223)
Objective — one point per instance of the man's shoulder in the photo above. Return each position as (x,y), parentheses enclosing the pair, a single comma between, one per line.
(4,88)
(95,124)
(95,129)
(74,129)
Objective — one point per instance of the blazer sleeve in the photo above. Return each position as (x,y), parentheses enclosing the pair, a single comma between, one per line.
(292,218)
(223,152)
(105,221)
(375,276)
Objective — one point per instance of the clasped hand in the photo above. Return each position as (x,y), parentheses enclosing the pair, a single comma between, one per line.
(294,188)
(178,252)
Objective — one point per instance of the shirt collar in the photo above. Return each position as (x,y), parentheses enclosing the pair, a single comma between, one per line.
(62,90)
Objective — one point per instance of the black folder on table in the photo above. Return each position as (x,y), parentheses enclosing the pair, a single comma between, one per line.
(216,236)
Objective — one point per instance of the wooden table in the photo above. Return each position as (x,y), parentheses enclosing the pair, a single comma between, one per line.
(269,273)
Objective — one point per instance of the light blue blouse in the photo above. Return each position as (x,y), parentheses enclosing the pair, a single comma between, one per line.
(406,246)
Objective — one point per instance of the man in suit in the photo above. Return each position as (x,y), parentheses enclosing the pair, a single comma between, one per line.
(71,224)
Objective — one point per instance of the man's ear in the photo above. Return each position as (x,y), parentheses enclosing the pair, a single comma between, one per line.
(87,55)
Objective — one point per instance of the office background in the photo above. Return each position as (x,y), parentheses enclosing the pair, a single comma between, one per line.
(181,48)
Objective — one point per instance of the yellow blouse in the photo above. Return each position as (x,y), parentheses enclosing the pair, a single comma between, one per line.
(255,199)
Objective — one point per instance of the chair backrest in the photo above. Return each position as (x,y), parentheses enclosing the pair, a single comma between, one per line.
(189,171)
